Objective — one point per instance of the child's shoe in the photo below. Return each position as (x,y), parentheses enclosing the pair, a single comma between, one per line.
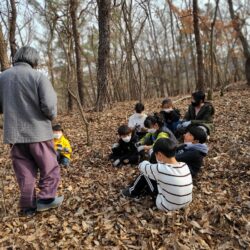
(126,194)
(116,163)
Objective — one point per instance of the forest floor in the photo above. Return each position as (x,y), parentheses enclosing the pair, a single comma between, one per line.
(95,216)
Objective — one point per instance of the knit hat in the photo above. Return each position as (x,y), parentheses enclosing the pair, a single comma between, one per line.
(198,133)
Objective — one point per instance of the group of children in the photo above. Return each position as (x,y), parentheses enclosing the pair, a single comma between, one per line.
(169,150)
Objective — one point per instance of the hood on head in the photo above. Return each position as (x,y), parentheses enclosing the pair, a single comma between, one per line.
(202,147)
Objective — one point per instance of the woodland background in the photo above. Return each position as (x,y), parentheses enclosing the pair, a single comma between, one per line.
(105,56)
(107,51)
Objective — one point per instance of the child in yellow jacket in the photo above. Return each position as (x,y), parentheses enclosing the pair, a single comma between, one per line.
(62,146)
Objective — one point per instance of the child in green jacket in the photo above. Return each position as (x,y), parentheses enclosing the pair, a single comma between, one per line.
(156,130)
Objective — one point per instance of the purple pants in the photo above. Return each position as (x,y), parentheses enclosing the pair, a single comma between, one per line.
(27,159)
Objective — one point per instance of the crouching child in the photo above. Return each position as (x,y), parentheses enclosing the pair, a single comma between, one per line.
(124,151)
(168,181)
(62,146)
(194,148)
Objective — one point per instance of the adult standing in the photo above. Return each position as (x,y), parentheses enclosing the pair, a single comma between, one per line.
(29,104)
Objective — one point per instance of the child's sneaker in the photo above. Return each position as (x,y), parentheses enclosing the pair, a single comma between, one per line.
(126,194)
(116,163)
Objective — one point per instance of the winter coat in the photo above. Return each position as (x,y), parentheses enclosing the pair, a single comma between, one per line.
(171,116)
(124,148)
(151,138)
(192,155)
(62,145)
(28,102)
(204,116)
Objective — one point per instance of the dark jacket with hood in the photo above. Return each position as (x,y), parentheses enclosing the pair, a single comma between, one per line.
(171,116)
(203,117)
(124,148)
(192,155)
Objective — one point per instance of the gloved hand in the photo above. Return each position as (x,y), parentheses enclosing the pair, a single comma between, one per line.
(59,147)
(150,152)
(115,145)
(140,148)
(66,150)
(186,124)
(138,144)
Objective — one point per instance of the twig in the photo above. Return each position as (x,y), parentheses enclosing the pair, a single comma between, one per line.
(82,115)
(182,99)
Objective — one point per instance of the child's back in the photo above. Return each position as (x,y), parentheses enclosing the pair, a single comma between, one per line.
(174,184)
(169,181)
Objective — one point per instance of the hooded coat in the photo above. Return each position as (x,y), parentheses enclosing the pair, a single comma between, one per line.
(204,116)
(192,155)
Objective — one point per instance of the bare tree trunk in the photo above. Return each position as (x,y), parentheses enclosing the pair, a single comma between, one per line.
(79,68)
(132,42)
(159,58)
(200,65)
(50,54)
(104,8)
(177,73)
(4,61)
(210,92)
(12,27)
(242,38)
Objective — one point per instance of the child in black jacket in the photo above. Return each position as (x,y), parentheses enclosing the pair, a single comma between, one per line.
(170,114)
(124,151)
(194,148)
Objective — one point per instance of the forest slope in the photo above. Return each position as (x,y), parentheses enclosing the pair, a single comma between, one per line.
(95,216)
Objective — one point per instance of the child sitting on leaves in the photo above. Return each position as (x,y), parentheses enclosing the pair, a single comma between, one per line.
(62,146)
(194,148)
(199,112)
(156,130)
(170,114)
(125,152)
(136,121)
(168,181)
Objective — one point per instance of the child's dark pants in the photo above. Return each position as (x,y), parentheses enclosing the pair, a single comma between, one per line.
(143,185)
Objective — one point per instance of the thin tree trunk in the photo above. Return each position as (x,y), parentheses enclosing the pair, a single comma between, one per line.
(50,55)
(104,8)
(4,61)
(210,93)
(12,29)
(79,68)
(177,73)
(200,65)
(242,38)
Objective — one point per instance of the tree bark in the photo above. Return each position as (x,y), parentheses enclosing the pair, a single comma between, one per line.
(4,61)
(104,8)
(79,68)
(210,94)
(242,38)
(12,29)
(200,65)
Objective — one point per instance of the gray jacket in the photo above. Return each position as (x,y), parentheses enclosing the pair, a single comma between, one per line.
(29,103)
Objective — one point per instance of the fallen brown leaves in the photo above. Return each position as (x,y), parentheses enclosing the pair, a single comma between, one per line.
(95,216)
